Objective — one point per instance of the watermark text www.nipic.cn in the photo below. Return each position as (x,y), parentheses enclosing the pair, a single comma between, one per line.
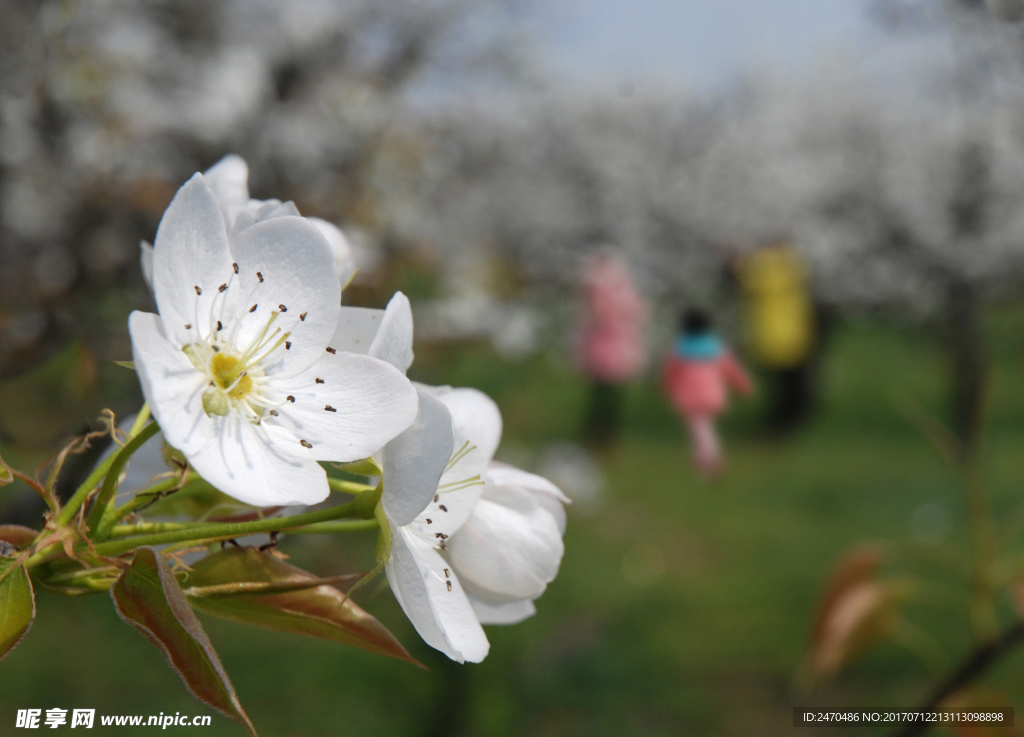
(53,718)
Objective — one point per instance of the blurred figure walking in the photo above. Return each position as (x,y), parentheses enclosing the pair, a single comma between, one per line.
(698,374)
(781,329)
(611,349)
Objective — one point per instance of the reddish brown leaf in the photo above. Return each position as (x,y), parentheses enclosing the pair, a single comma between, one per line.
(299,602)
(17,535)
(148,597)
(856,612)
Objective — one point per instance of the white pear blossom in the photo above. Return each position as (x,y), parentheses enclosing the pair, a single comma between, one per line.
(432,480)
(453,440)
(471,541)
(228,179)
(510,549)
(238,367)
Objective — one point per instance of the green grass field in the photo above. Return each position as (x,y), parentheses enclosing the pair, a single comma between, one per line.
(682,606)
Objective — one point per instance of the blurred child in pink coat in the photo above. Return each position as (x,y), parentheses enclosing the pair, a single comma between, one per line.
(611,350)
(698,374)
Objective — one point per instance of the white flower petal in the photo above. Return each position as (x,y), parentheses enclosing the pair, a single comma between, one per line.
(252,464)
(249,463)
(476,419)
(415,460)
(393,342)
(256,211)
(228,179)
(356,329)
(146,259)
(191,259)
(285,266)
(171,385)
(359,404)
(549,495)
(384,334)
(511,613)
(344,263)
(510,548)
(476,422)
(444,618)
(458,501)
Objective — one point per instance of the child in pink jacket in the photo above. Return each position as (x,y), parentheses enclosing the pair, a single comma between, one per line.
(698,374)
(610,345)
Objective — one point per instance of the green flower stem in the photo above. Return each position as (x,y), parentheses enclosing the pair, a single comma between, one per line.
(140,420)
(362,525)
(74,577)
(152,528)
(80,495)
(362,507)
(111,480)
(78,498)
(141,498)
(348,487)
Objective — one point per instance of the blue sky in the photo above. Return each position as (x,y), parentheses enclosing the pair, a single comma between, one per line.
(703,42)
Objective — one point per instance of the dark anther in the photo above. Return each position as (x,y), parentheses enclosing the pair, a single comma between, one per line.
(306,444)
(235,267)
(222,287)
(290,398)
(329,408)
(319,380)
(302,317)
(260,276)
(331,350)
(198,290)
(282,308)
(253,308)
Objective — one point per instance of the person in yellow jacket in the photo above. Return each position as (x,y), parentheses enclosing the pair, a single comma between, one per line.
(780,327)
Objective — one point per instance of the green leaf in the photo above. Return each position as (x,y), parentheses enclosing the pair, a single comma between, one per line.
(148,597)
(315,609)
(126,364)
(198,500)
(17,605)
(366,467)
